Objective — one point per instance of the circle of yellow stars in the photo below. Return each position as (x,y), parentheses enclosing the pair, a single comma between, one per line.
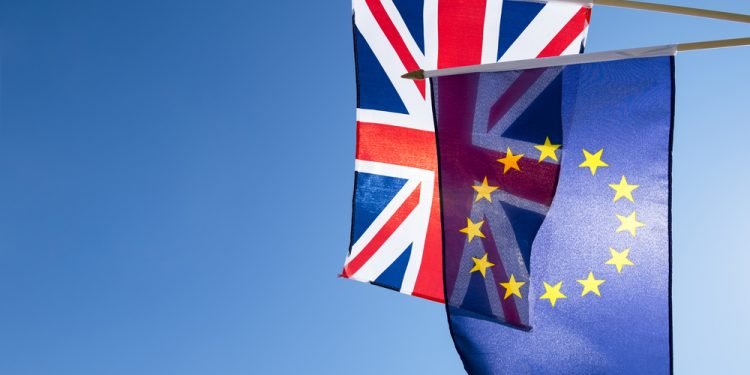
(590,284)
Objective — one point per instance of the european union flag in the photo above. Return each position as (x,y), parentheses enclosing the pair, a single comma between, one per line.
(555,185)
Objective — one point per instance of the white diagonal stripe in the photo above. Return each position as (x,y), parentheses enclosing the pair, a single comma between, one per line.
(575,46)
(403,31)
(542,29)
(415,104)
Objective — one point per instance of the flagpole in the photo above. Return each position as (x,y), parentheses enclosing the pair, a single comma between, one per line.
(675,9)
(719,43)
(580,58)
(654,7)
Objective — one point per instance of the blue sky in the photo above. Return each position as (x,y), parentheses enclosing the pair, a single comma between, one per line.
(175,192)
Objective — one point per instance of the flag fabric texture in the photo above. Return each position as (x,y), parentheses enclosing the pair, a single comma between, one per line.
(396,235)
(555,188)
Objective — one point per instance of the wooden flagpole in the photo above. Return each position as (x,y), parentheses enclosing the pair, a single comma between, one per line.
(675,9)
(720,43)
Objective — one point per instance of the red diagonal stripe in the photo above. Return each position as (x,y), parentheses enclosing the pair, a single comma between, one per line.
(396,145)
(393,36)
(508,99)
(567,34)
(383,234)
(572,29)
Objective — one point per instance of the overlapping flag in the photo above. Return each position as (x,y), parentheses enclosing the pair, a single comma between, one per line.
(531,196)
(576,161)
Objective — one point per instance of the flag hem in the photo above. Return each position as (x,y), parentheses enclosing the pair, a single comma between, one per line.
(669,219)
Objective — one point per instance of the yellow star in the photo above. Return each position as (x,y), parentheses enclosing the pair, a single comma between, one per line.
(510,161)
(590,284)
(629,223)
(512,287)
(481,265)
(472,229)
(547,150)
(552,293)
(593,161)
(619,259)
(623,190)
(484,190)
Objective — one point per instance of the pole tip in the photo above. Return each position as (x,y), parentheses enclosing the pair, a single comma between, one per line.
(415,75)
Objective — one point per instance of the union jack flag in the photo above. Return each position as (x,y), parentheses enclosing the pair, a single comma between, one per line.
(503,132)
(396,232)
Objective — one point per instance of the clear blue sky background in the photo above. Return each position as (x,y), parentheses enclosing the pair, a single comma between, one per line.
(176,179)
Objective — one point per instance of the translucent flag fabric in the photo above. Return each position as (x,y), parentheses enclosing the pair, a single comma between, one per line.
(555,188)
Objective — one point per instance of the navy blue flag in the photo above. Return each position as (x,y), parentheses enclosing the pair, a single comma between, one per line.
(555,186)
